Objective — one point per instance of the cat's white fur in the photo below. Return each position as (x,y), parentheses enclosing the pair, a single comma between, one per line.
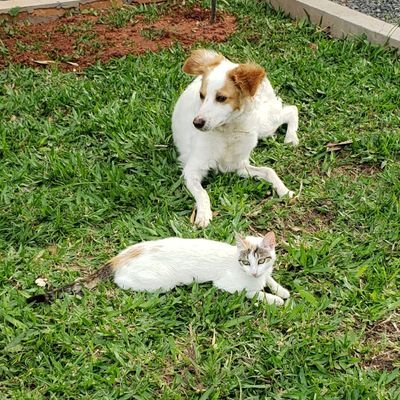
(167,263)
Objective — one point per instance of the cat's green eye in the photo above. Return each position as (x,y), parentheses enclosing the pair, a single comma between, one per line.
(263,260)
(245,262)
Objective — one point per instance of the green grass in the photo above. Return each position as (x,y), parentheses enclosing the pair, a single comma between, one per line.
(88,166)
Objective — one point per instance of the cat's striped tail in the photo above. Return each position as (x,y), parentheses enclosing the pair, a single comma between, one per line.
(76,287)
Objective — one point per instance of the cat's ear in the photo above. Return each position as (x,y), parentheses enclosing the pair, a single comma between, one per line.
(241,242)
(269,241)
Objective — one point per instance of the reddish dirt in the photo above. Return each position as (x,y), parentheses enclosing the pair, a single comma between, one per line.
(77,42)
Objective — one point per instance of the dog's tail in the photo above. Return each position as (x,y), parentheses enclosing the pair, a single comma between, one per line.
(76,287)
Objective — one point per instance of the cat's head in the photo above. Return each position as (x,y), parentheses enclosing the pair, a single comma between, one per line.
(256,255)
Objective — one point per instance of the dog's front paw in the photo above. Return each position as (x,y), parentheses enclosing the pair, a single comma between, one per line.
(203,218)
(285,192)
(293,140)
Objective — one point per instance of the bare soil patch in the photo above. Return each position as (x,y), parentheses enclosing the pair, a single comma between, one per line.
(310,218)
(76,42)
(356,170)
(385,332)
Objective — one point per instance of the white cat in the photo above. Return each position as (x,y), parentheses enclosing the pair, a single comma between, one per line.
(166,263)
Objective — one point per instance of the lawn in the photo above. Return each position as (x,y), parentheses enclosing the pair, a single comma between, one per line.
(88,166)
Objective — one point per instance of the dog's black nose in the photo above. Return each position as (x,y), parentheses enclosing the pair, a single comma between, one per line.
(199,123)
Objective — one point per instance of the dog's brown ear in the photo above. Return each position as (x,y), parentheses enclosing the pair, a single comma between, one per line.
(247,77)
(200,61)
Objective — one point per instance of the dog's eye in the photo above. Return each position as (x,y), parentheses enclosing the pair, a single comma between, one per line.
(202,97)
(221,99)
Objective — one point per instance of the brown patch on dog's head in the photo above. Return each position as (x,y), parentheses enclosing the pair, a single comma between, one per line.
(201,61)
(203,87)
(247,78)
(229,90)
(232,94)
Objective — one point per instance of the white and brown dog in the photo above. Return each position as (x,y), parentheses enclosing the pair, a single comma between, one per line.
(218,120)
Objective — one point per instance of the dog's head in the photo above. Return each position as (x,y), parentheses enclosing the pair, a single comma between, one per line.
(225,87)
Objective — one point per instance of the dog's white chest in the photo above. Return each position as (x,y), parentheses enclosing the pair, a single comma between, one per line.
(235,148)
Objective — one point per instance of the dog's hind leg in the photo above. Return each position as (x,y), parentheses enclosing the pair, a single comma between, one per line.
(286,115)
(290,116)
(193,178)
(269,175)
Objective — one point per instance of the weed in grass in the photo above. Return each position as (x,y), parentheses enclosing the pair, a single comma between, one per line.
(123,16)
(83,27)
(3,49)
(91,11)
(86,43)
(88,167)
(71,12)
(152,33)
(14,11)
(9,29)
(22,47)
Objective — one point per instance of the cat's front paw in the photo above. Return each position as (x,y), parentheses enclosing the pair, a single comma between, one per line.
(203,218)
(283,293)
(272,299)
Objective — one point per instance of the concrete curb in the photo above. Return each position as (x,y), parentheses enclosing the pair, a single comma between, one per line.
(30,5)
(341,21)
(37,11)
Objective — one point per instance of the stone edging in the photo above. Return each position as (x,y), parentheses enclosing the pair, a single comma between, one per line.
(341,21)
(44,10)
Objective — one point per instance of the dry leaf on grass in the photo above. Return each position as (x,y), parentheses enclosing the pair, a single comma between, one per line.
(52,249)
(193,216)
(293,200)
(43,62)
(337,146)
(313,46)
(41,282)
